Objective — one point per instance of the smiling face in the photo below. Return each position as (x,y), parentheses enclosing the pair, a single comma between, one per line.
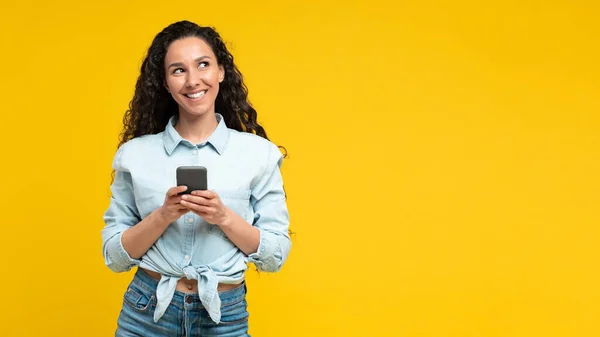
(192,76)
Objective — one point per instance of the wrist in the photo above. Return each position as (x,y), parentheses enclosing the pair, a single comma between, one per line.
(228,219)
(160,215)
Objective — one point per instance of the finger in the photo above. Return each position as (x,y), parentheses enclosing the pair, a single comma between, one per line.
(196,200)
(205,211)
(189,205)
(174,200)
(196,207)
(176,208)
(205,193)
(173,191)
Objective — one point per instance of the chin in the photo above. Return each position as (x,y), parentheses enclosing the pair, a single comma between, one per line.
(196,111)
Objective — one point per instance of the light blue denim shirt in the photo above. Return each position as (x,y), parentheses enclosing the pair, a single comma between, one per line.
(243,169)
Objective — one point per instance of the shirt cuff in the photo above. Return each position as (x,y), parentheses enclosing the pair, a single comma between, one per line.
(118,255)
(268,255)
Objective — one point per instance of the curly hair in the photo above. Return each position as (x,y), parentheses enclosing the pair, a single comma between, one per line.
(152,105)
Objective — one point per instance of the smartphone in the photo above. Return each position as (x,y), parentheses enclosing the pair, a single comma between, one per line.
(194,177)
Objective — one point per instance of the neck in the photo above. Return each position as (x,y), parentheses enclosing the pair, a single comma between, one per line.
(196,129)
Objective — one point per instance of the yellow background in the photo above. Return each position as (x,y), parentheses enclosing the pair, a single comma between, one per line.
(443,170)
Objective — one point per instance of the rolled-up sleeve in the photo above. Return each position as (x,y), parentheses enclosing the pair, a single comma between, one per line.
(271,216)
(121,214)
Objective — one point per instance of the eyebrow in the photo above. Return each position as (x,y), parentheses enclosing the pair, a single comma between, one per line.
(179,64)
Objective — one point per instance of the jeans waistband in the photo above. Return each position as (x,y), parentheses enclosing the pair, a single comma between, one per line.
(146,282)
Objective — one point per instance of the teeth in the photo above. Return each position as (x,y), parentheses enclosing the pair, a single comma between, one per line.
(197,95)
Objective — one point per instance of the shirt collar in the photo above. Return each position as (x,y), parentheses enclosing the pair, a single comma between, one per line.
(218,139)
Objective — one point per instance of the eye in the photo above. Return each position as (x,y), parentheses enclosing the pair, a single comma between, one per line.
(203,64)
(177,71)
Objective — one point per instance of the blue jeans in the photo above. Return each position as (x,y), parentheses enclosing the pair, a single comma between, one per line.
(185,315)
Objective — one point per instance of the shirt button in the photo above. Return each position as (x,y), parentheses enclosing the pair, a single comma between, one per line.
(187,257)
(191,220)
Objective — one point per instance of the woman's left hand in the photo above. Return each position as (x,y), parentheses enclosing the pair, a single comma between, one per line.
(207,205)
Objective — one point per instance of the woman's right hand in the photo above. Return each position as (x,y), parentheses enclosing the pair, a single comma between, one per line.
(172,209)
(137,239)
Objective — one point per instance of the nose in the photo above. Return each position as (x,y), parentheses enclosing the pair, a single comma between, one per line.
(193,79)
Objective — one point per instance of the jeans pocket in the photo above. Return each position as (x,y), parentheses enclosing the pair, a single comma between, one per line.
(139,299)
(235,312)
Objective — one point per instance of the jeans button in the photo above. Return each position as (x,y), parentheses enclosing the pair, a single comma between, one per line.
(189,300)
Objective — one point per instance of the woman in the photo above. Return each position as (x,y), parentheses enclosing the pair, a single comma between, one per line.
(190,108)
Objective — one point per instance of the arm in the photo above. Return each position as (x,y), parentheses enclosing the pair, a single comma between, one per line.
(125,237)
(271,217)
(138,239)
(121,215)
(245,236)
(266,240)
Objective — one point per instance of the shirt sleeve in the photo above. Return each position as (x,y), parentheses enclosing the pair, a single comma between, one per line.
(271,216)
(121,214)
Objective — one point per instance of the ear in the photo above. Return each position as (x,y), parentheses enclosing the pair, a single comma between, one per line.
(221,74)
(166,86)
